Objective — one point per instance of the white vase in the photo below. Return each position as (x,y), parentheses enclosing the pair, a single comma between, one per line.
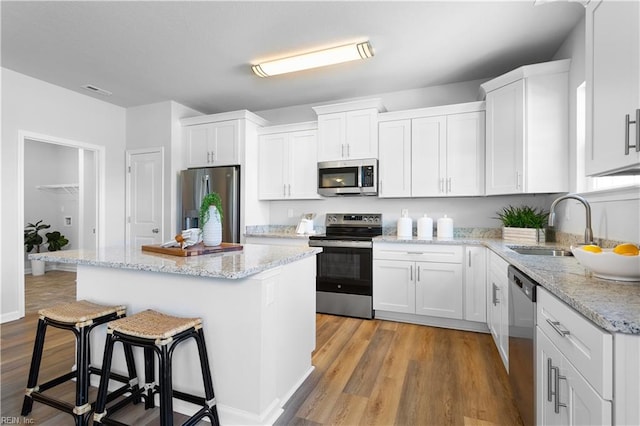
(37,267)
(212,230)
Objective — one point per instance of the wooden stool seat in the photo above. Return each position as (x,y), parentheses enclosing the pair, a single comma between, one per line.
(158,333)
(79,317)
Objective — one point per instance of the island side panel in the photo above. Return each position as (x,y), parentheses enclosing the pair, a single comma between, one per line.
(242,326)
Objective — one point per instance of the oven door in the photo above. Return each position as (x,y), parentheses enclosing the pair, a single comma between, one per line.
(344,270)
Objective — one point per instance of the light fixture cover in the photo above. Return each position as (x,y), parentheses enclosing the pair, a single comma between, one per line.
(319,58)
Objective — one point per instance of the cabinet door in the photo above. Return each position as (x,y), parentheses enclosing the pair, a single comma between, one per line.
(272,166)
(465,154)
(224,145)
(196,141)
(499,313)
(428,146)
(475,284)
(394,286)
(548,361)
(613,84)
(331,136)
(362,133)
(394,166)
(504,155)
(303,165)
(439,289)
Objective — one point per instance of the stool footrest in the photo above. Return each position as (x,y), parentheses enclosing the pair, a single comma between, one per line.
(55,382)
(189,398)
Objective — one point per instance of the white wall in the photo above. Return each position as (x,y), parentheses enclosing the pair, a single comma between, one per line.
(32,105)
(615,213)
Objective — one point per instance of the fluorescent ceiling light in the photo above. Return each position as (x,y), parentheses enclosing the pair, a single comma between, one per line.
(319,58)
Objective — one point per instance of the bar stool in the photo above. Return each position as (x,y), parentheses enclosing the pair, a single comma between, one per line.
(80,317)
(159,333)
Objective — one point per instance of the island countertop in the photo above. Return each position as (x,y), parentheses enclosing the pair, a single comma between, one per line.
(251,260)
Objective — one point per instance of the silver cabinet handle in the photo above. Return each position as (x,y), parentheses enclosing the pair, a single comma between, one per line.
(289,187)
(449,185)
(627,123)
(441,184)
(557,404)
(284,189)
(418,273)
(549,371)
(348,150)
(469,257)
(556,326)
(495,294)
(518,180)
(208,157)
(342,151)
(411,273)
(155,230)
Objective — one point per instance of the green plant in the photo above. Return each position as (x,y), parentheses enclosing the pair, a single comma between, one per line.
(55,241)
(523,217)
(211,199)
(32,237)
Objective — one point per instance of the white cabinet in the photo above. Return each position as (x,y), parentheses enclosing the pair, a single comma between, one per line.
(212,144)
(475,284)
(418,279)
(434,152)
(348,130)
(527,139)
(498,305)
(287,163)
(574,366)
(613,86)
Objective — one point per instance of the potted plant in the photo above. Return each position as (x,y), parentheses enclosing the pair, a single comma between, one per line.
(210,219)
(34,240)
(523,223)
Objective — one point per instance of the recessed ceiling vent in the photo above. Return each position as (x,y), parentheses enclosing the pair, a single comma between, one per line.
(94,89)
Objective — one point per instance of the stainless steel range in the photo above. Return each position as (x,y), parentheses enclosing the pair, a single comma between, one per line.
(344,283)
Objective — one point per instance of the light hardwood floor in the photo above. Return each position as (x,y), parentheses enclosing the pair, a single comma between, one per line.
(367,372)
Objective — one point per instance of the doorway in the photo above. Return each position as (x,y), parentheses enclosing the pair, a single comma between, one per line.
(61,182)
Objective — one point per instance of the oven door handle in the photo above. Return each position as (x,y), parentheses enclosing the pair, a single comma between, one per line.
(340,243)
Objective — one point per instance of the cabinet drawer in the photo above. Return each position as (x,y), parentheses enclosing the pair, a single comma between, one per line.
(419,252)
(586,346)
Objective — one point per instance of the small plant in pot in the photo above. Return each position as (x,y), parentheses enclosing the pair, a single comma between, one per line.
(523,223)
(34,240)
(210,219)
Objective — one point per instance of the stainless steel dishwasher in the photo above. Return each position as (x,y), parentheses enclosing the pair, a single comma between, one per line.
(522,324)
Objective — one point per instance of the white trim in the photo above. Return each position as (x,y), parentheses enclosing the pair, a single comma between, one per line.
(622,193)
(100,151)
(224,116)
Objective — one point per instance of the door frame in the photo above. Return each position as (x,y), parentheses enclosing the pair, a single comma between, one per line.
(129,154)
(100,178)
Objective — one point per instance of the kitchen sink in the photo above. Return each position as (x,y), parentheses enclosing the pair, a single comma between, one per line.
(541,251)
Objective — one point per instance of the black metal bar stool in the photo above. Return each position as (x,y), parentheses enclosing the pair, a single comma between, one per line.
(159,333)
(80,317)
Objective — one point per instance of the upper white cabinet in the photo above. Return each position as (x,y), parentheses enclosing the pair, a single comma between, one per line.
(212,144)
(348,130)
(613,87)
(527,139)
(432,152)
(288,162)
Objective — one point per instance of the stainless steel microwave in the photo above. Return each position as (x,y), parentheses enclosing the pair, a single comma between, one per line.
(348,177)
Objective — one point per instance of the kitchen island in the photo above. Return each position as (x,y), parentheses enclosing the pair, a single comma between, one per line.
(257,306)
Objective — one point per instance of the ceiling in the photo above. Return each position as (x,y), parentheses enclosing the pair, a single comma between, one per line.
(198,53)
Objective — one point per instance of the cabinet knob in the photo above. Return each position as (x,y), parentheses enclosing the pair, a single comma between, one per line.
(155,230)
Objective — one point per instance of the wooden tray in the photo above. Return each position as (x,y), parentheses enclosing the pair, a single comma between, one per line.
(195,250)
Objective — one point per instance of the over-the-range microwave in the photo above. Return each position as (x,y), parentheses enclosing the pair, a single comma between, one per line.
(348,177)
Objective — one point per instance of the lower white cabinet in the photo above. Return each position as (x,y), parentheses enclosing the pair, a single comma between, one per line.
(498,305)
(430,280)
(563,396)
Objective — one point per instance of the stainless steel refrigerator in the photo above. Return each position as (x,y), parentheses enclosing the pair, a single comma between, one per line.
(196,183)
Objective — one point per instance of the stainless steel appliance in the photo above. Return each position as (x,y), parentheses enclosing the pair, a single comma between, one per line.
(344,275)
(196,183)
(348,177)
(522,324)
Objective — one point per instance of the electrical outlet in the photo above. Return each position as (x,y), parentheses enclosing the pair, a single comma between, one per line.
(67,221)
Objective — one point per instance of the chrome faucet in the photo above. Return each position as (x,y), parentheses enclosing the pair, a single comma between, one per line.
(588,233)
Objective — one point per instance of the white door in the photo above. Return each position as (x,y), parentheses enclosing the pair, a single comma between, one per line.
(303,161)
(272,166)
(145,188)
(439,289)
(395,158)
(465,154)
(428,138)
(394,286)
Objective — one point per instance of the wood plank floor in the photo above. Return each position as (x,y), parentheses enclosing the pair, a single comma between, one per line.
(367,372)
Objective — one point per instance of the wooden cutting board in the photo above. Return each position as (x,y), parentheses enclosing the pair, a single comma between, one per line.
(195,250)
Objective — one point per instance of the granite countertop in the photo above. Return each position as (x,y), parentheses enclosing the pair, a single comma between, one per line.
(612,305)
(251,260)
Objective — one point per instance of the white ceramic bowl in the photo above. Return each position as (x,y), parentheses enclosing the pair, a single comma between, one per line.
(609,265)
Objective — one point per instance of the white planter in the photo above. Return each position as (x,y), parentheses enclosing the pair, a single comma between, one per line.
(37,267)
(212,230)
(523,235)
